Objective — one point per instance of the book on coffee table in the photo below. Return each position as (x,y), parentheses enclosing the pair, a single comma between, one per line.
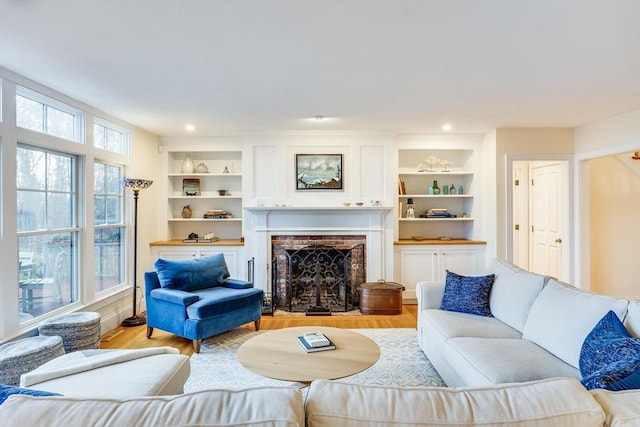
(315,339)
(310,349)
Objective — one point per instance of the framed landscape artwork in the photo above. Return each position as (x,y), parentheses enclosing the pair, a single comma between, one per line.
(319,172)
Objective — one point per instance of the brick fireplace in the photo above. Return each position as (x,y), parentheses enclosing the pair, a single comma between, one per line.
(317,274)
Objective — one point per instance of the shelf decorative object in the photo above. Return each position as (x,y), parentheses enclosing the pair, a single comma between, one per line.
(136,185)
(410,209)
(187,164)
(445,165)
(191,186)
(187,212)
(432,160)
(201,168)
(436,189)
(452,189)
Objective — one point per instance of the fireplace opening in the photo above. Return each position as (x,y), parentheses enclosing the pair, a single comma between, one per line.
(317,278)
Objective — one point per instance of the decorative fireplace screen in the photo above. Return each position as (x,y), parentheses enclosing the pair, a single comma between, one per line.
(317,279)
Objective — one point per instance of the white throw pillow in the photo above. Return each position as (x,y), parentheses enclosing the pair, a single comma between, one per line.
(513,293)
(562,316)
(632,321)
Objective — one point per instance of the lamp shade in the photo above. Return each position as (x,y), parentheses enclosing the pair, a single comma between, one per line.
(136,183)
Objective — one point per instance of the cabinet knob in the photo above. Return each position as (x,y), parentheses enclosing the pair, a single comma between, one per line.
(558,240)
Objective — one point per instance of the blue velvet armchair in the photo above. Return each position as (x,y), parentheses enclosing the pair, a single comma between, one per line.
(197,299)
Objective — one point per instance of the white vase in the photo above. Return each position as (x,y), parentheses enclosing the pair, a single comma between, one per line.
(187,164)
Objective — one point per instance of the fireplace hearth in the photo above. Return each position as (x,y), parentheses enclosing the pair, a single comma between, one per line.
(317,275)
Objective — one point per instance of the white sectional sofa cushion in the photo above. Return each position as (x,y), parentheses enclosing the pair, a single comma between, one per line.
(264,406)
(562,316)
(545,403)
(513,293)
(489,361)
(453,324)
(152,375)
(621,408)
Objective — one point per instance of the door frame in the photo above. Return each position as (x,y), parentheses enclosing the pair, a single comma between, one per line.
(570,160)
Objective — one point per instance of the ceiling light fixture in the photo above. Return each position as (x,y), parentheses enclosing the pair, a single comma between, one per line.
(446,127)
(319,117)
(189,128)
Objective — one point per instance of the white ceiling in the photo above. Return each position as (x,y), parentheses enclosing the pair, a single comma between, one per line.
(231,67)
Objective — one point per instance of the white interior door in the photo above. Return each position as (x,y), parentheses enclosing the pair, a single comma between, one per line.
(549,210)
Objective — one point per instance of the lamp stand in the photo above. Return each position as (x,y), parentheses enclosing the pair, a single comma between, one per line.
(135,320)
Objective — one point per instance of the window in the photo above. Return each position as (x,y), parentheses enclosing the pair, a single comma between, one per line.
(47,230)
(109,238)
(39,113)
(110,137)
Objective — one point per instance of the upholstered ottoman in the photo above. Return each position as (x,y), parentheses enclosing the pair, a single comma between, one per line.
(21,356)
(79,331)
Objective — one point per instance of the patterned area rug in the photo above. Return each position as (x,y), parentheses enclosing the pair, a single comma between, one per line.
(401,363)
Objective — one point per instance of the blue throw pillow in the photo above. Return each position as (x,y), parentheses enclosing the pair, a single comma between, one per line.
(192,274)
(8,390)
(610,356)
(467,294)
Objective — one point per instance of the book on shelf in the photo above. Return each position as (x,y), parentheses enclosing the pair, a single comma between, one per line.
(315,341)
(402,190)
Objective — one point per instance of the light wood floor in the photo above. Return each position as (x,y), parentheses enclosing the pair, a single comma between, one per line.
(135,337)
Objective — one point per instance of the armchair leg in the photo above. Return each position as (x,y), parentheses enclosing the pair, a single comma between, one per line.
(196,346)
(149,331)
(257,324)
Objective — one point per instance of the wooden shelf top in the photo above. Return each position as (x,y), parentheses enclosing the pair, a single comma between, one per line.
(177,242)
(436,241)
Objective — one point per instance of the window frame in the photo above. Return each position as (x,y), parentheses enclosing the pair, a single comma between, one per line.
(79,118)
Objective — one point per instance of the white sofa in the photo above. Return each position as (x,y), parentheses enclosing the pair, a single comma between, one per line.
(546,403)
(536,332)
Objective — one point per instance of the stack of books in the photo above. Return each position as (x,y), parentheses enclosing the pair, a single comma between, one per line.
(315,341)
(438,213)
(217,214)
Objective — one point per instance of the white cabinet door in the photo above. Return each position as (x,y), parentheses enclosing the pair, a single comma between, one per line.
(416,265)
(176,253)
(429,264)
(460,261)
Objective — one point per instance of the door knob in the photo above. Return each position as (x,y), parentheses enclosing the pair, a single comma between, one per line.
(558,240)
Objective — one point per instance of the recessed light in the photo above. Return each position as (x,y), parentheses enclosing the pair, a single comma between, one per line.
(189,128)
(446,127)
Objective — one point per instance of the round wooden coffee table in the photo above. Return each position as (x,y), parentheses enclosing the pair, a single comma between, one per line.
(277,354)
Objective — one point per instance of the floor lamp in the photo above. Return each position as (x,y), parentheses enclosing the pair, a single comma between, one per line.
(136,185)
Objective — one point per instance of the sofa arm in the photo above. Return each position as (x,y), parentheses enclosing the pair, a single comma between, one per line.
(174,296)
(429,295)
(236,284)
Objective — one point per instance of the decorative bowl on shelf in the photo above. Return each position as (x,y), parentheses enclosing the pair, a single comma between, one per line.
(360,204)
(346,203)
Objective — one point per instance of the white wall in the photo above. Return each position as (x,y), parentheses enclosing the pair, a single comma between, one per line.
(607,137)
(614,184)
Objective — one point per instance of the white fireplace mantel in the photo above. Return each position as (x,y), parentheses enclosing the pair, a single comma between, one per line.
(370,221)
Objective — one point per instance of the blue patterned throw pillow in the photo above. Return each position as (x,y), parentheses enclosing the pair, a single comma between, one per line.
(8,390)
(467,294)
(610,356)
